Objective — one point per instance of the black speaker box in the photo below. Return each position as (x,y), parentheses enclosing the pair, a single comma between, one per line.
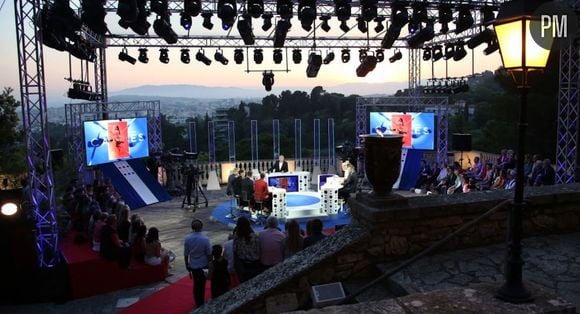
(461,142)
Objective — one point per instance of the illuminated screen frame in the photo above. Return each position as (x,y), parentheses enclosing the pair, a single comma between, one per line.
(417,128)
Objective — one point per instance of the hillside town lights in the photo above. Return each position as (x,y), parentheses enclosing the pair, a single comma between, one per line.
(520,54)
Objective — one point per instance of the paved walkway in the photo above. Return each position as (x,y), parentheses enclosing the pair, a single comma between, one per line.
(552,262)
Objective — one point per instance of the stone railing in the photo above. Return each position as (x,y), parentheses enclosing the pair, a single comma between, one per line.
(392,233)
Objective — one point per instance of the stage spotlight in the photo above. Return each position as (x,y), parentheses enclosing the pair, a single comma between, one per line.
(424,35)
(344,27)
(449,51)
(314,63)
(162,28)
(282,28)
(255,8)
(329,57)
(206,15)
(325,27)
(143,55)
(238,56)
(277,56)
(380,54)
(200,56)
(284,9)
(185,21)
(396,56)
(464,19)
(9,209)
(185,56)
(345,55)
(437,53)
(460,52)
(484,36)
(368,9)
(268,80)
(258,56)
(419,12)
(361,24)
(367,65)
(445,16)
(219,57)
(362,54)
(426,54)
(192,7)
(488,15)
(124,56)
(492,46)
(267,21)
(297,56)
(399,18)
(380,26)
(227,13)
(245,29)
(342,10)
(164,55)
(306,13)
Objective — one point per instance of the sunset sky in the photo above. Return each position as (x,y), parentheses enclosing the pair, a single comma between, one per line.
(121,75)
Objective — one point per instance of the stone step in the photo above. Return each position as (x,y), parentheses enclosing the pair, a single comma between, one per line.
(375,293)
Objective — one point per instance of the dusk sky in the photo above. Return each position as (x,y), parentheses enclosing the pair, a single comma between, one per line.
(121,75)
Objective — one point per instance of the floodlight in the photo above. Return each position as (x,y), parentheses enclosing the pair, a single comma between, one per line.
(345,55)
(219,57)
(164,55)
(297,56)
(185,56)
(143,55)
(277,56)
(239,56)
(124,56)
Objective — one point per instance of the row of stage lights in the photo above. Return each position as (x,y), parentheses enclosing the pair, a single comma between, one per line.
(450,85)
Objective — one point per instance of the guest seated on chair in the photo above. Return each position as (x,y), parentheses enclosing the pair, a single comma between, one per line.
(349,184)
(279,166)
(232,177)
(247,194)
(315,233)
(261,193)
(237,184)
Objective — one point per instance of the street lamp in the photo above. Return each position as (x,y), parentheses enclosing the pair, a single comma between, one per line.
(520,54)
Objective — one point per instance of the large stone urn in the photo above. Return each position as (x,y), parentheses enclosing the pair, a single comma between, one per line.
(382,162)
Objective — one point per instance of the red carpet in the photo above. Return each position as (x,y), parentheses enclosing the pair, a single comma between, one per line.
(90,274)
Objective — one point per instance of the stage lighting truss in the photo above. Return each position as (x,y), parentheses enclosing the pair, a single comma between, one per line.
(164,55)
(397,55)
(143,58)
(297,56)
(329,57)
(227,11)
(345,55)
(268,80)
(185,56)
(277,56)
(450,85)
(314,63)
(219,57)
(239,56)
(124,56)
(200,56)
(307,13)
(258,56)
(255,8)
(324,25)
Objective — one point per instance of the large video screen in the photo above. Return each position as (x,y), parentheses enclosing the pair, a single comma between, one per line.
(112,140)
(289,183)
(417,128)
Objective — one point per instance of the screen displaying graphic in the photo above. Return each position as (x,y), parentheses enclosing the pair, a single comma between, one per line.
(289,183)
(417,128)
(112,140)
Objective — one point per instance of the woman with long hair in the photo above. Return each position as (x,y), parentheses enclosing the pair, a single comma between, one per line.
(154,253)
(246,251)
(294,241)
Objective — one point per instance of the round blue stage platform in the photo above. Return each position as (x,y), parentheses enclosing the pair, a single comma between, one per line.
(295,202)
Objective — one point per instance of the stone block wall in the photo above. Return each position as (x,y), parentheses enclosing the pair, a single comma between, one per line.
(393,233)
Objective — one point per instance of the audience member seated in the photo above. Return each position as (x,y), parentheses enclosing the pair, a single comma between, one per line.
(456,185)
(124,225)
(271,243)
(547,175)
(136,222)
(499,180)
(444,184)
(246,251)
(154,253)
(315,233)
(510,182)
(112,248)
(261,193)
(485,182)
(97,232)
(218,272)
(139,246)
(424,175)
(349,183)
(293,243)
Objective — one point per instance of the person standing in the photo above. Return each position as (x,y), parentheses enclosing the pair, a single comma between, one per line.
(197,252)
(279,166)
(218,272)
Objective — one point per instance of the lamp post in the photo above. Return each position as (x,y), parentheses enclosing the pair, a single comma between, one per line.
(520,55)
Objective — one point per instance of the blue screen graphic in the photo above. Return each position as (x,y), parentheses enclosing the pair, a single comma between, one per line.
(289,183)
(420,133)
(113,140)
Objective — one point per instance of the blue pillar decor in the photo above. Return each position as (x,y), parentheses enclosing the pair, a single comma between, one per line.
(298,142)
(232,141)
(211,142)
(316,149)
(254,141)
(192,137)
(275,138)
(331,145)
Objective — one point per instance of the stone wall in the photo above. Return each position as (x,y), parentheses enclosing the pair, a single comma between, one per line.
(393,233)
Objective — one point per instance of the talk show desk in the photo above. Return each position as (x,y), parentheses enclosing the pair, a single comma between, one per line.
(293,199)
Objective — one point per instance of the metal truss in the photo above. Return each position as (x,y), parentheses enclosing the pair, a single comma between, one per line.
(414,72)
(568,110)
(77,113)
(40,196)
(439,105)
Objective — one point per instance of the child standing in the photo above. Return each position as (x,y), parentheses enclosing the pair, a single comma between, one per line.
(218,272)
